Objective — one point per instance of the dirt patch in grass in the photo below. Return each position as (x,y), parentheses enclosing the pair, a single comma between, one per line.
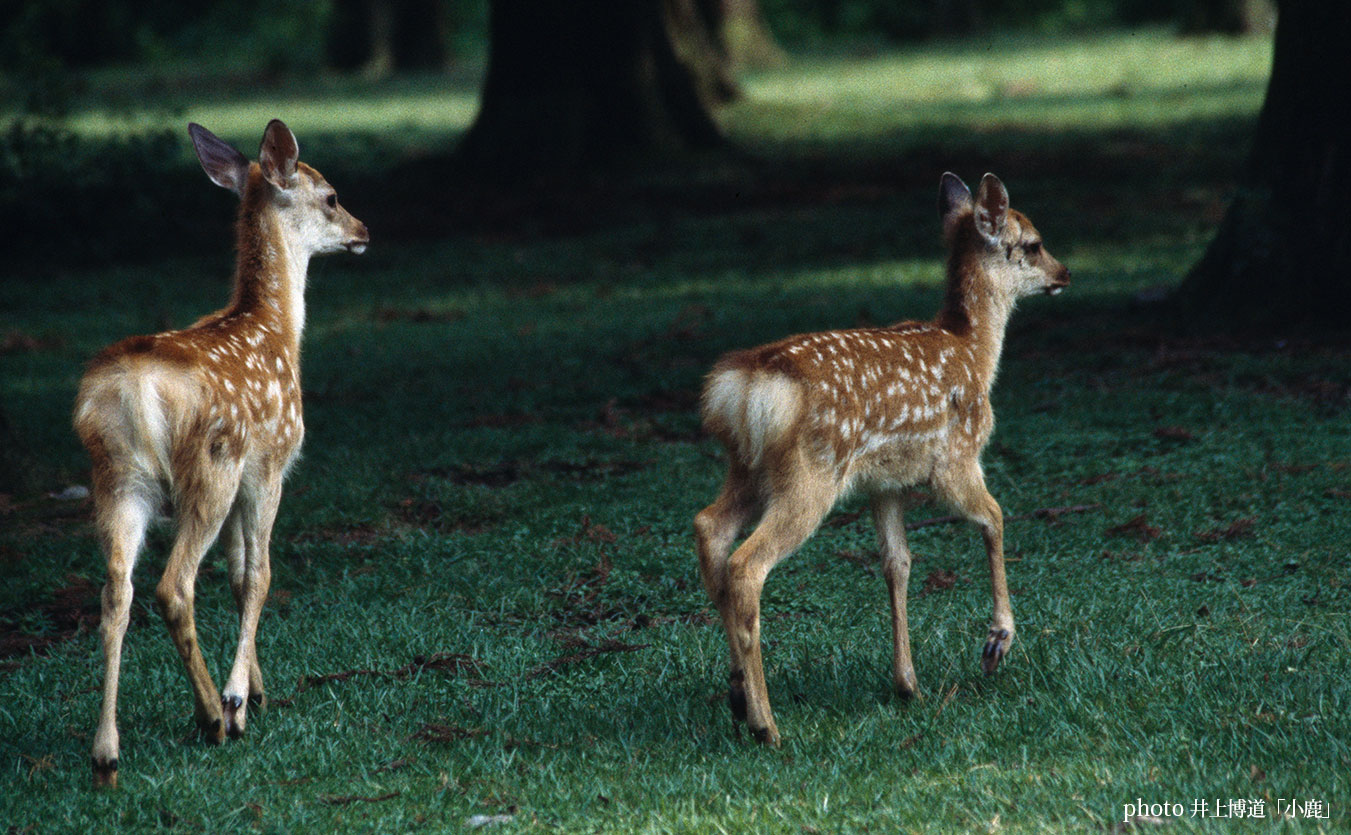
(1241,529)
(67,612)
(1137,528)
(453,664)
(581,650)
(507,473)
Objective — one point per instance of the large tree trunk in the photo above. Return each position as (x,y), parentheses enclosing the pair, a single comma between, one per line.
(746,36)
(1226,17)
(381,36)
(579,83)
(1282,255)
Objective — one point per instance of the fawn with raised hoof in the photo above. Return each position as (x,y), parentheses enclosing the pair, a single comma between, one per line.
(207,420)
(813,417)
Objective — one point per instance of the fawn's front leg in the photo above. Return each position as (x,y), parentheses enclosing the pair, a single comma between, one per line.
(888,517)
(965,491)
(1001,623)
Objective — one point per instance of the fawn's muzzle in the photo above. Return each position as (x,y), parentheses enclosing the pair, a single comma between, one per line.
(357,245)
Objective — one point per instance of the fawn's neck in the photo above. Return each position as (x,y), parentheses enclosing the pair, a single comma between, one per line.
(978,312)
(270,273)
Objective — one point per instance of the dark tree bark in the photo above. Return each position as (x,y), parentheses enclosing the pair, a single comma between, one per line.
(1227,17)
(746,36)
(380,36)
(953,17)
(698,29)
(1282,255)
(581,83)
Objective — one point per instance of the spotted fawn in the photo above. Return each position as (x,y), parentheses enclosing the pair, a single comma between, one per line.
(814,417)
(207,420)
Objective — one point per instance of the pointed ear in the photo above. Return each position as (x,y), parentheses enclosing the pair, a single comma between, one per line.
(225,166)
(954,200)
(992,207)
(278,155)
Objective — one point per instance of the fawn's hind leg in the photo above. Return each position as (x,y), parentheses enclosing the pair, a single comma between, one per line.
(201,510)
(250,577)
(716,528)
(786,524)
(122,521)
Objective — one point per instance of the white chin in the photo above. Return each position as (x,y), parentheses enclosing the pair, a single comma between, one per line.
(1054,291)
(356,249)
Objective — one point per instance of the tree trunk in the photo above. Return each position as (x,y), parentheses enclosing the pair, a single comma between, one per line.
(697,29)
(746,35)
(381,36)
(1225,17)
(953,17)
(1281,255)
(581,83)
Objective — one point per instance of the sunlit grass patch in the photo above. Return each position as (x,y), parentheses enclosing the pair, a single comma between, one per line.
(1139,79)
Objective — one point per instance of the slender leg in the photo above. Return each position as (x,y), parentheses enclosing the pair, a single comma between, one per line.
(966,492)
(122,522)
(250,577)
(1000,639)
(888,516)
(232,541)
(787,522)
(716,528)
(200,516)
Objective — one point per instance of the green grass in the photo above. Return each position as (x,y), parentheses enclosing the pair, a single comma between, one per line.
(502,462)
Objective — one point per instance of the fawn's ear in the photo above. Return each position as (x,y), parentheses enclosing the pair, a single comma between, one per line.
(992,207)
(954,200)
(225,166)
(278,155)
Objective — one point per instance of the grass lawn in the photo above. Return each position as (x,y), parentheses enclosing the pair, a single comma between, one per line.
(485,604)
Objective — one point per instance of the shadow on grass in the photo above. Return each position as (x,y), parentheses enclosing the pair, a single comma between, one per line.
(1087,186)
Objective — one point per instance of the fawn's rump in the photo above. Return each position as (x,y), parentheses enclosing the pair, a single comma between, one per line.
(750,411)
(125,412)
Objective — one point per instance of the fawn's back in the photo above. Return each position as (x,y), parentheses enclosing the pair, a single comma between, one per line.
(885,407)
(865,405)
(225,390)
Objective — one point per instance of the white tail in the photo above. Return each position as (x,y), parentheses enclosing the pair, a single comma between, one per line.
(209,419)
(810,418)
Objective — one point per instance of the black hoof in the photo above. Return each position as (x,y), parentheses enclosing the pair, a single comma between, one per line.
(761,735)
(230,705)
(105,774)
(211,731)
(993,652)
(257,699)
(736,695)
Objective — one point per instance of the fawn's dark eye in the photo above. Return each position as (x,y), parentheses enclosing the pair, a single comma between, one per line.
(1032,247)
(332,201)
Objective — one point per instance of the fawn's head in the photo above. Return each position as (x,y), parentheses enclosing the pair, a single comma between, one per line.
(1002,240)
(302,198)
